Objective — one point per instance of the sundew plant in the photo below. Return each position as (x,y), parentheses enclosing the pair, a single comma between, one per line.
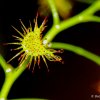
(34,47)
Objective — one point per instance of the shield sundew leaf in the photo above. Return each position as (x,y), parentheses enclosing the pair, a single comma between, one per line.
(31,44)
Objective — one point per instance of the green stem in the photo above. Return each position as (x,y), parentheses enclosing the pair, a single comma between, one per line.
(78,50)
(55,15)
(92,9)
(11,76)
(56,29)
(3,63)
(95,18)
(6,87)
(60,27)
(85,16)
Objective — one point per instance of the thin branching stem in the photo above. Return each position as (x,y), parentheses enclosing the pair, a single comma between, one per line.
(78,50)
(10,76)
(55,15)
(84,16)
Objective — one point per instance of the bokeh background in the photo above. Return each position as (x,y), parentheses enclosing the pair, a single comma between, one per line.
(76,79)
